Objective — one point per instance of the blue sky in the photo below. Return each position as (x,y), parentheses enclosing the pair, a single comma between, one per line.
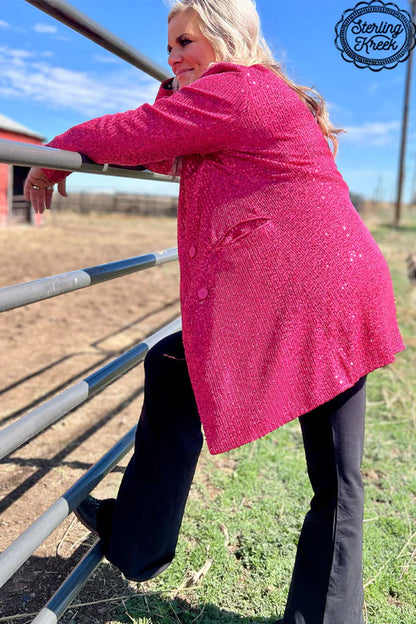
(52,78)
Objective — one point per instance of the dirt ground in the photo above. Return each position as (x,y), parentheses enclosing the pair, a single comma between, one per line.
(52,344)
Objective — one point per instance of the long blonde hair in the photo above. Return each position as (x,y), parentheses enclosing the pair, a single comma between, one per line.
(233,29)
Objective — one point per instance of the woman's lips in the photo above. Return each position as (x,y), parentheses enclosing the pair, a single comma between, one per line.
(182,71)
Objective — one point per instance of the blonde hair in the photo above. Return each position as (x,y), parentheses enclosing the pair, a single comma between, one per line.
(233,29)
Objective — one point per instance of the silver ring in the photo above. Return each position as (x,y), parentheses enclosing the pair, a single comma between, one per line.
(35,188)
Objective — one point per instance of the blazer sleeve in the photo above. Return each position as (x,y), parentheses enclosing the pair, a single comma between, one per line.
(163,166)
(204,117)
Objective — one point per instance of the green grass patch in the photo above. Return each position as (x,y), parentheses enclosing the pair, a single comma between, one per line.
(239,535)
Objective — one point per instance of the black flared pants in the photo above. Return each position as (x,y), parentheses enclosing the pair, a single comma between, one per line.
(141,537)
(327,583)
(140,528)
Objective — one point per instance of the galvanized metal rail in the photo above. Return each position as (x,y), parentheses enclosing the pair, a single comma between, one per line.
(17,553)
(64,596)
(83,24)
(24,429)
(29,292)
(22,294)
(27,155)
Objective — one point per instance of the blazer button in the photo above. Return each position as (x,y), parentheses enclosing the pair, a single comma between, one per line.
(192,251)
(203,293)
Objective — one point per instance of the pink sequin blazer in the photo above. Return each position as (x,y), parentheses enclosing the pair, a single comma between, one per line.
(286,298)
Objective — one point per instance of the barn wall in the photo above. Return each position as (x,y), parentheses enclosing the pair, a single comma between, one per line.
(4,200)
(5,174)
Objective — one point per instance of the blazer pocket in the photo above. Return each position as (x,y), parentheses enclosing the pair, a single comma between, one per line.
(241,230)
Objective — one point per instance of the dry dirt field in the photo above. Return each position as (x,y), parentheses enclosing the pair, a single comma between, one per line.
(52,344)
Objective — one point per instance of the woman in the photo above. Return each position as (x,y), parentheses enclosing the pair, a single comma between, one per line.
(287,302)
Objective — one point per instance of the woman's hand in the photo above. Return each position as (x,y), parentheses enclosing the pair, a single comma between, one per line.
(38,189)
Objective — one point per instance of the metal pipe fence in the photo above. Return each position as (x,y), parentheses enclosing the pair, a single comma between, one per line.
(25,154)
(37,420)
(29,292)
(69,589)
(67,14)
(11,297)
(17,553)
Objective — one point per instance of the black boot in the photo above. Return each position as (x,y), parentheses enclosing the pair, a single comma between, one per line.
(87,513)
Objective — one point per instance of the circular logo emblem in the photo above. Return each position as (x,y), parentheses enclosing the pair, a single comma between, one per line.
(375,34)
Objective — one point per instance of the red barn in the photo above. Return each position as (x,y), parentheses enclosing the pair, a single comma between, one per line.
(13,206)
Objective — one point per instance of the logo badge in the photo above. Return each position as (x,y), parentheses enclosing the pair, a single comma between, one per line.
(375,34)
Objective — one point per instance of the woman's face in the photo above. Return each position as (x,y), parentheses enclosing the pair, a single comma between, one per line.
(190,53)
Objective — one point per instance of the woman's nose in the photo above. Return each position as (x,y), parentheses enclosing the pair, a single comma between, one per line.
(174,57)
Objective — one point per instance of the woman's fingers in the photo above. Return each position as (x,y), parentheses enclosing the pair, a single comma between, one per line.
(38,190)
(29,182)
(48,196)
(35,178)
(40,198)
(62,188)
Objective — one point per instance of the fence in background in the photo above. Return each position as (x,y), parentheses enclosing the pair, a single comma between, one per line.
(18,433)
(117,203)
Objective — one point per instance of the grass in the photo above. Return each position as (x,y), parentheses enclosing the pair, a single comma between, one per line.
(243,519)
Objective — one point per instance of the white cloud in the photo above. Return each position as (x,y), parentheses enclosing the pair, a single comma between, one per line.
(17,29)
(373,133)
(338,113)
(45,29)
(23,76)
(14,58)
(111,60)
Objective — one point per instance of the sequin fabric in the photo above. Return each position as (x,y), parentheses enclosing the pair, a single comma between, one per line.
(286,298)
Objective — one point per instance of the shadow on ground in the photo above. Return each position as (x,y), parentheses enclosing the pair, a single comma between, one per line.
(94,347)
(106,598)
